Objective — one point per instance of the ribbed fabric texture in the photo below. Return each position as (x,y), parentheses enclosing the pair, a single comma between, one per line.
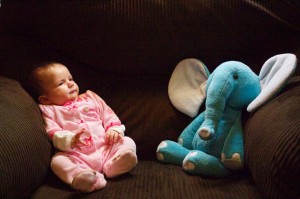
(272,145)
(153,180)
(25,149)
(140,37)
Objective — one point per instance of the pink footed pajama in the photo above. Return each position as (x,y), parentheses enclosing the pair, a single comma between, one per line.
(85,168)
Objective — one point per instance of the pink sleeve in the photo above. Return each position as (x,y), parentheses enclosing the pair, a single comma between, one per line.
(48,115)
(107,115)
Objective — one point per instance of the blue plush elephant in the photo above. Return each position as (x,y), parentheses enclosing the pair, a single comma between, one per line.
(212,144)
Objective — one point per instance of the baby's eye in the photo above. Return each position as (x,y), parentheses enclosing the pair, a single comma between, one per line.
(71,79)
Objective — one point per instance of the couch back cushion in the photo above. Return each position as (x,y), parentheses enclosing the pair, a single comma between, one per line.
(150,37)
(25,150)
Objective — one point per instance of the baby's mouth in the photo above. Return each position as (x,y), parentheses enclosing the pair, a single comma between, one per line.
(73,91)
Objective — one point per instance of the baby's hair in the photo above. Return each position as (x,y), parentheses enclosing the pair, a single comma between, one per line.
(33,83)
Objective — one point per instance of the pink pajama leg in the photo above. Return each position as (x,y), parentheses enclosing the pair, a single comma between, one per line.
(69,167)
(66,167)
(121,159)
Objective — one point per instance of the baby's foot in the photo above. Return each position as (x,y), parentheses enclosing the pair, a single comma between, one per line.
(88,181)
(120,164)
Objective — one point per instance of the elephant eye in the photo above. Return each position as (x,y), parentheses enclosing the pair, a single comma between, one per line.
(235,76)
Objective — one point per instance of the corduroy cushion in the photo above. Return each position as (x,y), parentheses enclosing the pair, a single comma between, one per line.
(25,150)
(272,144)
(140,37)
(154,180)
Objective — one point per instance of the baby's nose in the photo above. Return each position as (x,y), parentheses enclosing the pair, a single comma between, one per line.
(70,83)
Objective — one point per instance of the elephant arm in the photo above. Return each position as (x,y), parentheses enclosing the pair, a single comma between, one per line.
(186,137)
(233,151)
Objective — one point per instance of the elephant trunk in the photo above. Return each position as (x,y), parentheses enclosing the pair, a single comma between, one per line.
(217,94)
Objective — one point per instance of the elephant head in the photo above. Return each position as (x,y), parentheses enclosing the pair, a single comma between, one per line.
(230,88)
(188,84)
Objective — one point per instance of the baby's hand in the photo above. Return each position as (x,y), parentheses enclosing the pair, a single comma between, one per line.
(76,141)
(112,136)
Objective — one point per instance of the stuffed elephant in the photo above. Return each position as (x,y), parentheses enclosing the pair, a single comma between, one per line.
(212,144)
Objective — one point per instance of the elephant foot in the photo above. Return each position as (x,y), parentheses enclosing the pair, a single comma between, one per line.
(204,133)
(234,162)
(200,163)
(171,152)
(159,152)
(188,164)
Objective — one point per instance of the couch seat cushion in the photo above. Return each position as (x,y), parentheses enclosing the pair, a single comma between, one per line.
(152,179)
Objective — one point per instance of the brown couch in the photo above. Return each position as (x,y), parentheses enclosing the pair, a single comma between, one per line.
(126,51)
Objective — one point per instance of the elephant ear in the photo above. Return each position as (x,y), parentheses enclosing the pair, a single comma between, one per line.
(187,86)
(273,76)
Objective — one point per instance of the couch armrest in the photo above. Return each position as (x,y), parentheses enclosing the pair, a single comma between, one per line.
(25,150)
(272,146)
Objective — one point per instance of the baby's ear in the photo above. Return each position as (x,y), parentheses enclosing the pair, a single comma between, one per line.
(187,86)
(44,100)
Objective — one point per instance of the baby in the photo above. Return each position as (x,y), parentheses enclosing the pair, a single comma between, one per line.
(87,134)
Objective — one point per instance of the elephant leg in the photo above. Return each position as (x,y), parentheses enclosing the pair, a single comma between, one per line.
(233,151)
(171,152)
(187,135)
(200,163)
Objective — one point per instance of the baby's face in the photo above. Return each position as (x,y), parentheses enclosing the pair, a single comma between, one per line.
(58,86)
